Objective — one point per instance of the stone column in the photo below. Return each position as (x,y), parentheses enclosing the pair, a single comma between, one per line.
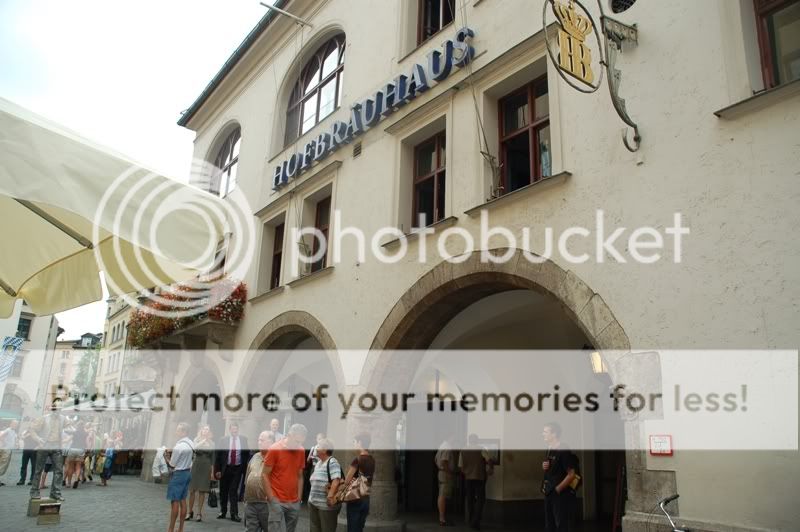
(383,493)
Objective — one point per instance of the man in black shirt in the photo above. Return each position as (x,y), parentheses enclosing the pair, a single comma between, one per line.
(559,471)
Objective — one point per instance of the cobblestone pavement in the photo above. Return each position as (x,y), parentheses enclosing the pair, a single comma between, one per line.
(128,503)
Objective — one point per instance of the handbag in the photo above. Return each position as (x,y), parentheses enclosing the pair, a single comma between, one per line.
(356,489)
(212,498)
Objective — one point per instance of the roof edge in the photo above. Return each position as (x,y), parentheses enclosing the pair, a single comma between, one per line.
(231,62)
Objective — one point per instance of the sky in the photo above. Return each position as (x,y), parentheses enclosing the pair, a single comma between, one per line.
(119,73)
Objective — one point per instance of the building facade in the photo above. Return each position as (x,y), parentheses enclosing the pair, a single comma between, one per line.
(67,360)
(108,379)
(503,133)
(24,391)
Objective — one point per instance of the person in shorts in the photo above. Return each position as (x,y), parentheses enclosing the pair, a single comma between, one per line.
(180,462)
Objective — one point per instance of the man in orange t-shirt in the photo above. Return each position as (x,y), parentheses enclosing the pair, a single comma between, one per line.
(283,479)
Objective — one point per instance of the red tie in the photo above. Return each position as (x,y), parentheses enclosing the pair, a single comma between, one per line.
(232,459)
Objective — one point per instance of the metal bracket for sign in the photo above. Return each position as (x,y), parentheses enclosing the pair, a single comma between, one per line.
(616,37)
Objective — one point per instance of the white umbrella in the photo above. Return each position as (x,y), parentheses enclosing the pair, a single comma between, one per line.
(70,208)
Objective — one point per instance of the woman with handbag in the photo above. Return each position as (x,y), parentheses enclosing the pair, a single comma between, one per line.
(361,470)
(323,506)
(201,470)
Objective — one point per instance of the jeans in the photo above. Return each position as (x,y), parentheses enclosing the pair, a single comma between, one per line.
(283,516)
(357,512)
(256,516)
(28,455)
(476,498)
(557,510)
(323,520)
(58,472)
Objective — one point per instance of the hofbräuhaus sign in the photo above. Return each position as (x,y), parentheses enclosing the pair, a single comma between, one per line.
(455,53)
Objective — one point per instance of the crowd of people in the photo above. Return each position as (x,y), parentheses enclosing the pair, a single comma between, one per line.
(269,480)
(67,450)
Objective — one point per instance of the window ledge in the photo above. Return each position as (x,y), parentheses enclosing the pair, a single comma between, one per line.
(760,100)
(425,42)
(266,295)
(438,226)
(309,276)
(525,191)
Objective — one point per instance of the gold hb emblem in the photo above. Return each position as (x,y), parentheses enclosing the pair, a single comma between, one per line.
(574,56)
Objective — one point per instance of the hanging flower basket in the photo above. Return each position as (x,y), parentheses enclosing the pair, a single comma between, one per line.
(146,327)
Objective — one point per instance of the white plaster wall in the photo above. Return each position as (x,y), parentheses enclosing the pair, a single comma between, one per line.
(31,385)
(734,181)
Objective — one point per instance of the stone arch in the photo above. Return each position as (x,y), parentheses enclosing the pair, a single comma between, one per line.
(449,287)
(286,331)
(222,135)
(201,364)
(284,90)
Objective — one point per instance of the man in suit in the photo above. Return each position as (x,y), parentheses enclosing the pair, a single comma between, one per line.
(232,457)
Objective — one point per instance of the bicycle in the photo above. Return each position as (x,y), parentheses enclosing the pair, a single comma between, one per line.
(662,504)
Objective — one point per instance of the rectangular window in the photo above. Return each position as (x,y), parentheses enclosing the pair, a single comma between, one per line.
(429,181)
(779,40)
(24,327)
(525,153)
(322,223)
(433,16)
(277,257)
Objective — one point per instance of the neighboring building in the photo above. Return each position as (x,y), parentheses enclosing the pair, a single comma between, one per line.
(67,359)
(24,391)
(509,136)
(108,379)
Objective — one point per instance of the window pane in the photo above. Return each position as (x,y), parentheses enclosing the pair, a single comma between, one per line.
(541,102)
(312,76)
(309,113)
(341,81)
(292,125)
(277,245)
(785,34)
(236,145)
(327,96)
(331,61)
(515,112)
(545,154)
(440,195)
(448,14)
(518,162)
(442,152)
(426,159)
(232,174)
(424,203)
(430,18)
(324,213)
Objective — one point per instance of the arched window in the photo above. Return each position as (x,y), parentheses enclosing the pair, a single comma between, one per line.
(318,91)
(227,162)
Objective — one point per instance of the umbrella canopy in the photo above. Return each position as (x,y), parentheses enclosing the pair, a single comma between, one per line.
(70,208)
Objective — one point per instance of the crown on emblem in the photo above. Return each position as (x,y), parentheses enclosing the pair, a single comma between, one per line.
(573,22)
